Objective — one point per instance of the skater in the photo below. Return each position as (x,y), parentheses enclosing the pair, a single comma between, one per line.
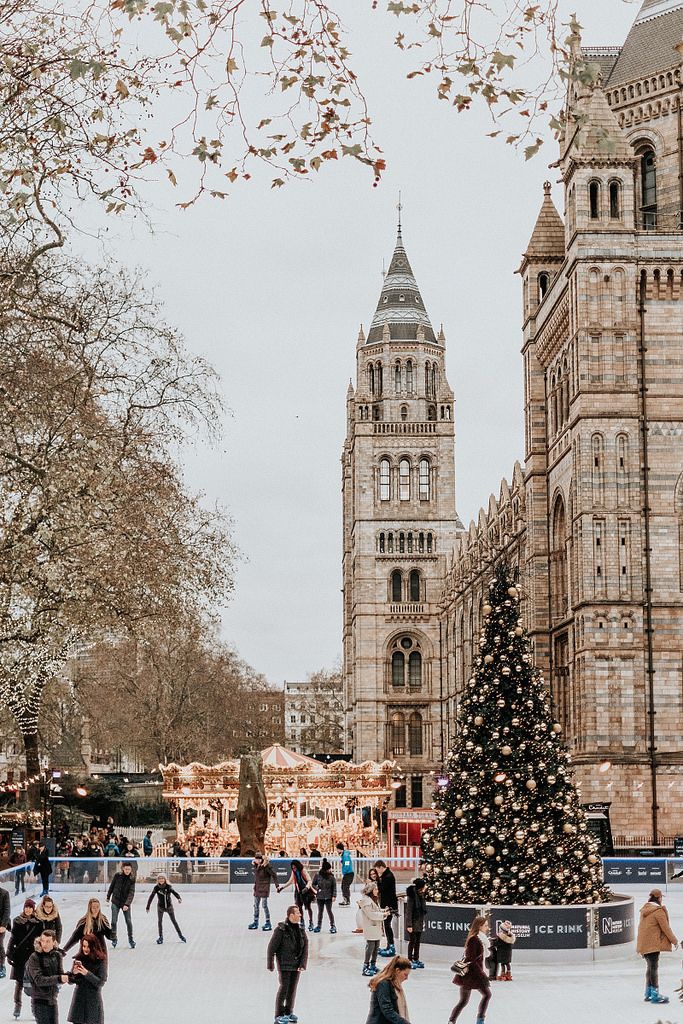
(88,974)
(505,940)
(5,923)
(654,937)
(303,891)
(289,946)
(163,892)
(264,876)
(388,1002)
(416,916)
(47,913)
(325,886)
(371,920)
(388,901)
(17,858)
(476,947)
(93,922)
(43,867)
(121,893)
(347,874)
(25,929)
(44,974)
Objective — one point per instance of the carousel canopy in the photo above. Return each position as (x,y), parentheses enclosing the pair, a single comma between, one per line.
(278,756)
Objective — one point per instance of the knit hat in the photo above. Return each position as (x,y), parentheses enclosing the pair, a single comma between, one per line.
(30,903)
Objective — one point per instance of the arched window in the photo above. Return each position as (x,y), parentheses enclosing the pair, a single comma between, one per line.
(558,558)
(615,200)
(384,480)
(648,187)
(431,413)
(396,586)
(397,378)
(543,285)
(415,669)
(410,543)
(381,544)
(390,543)
(622,471)
(409,376)
(433,380)
(415,734)
(378,379)
(398,734)
(598,468)
(594,200)
(414,585)
(398,669)
(401,543)
(429,543)
(371,379)
(404,413)
(427,379)
(404,480)
(421,543)
(425,488)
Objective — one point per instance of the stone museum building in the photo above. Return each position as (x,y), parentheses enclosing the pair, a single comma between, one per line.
(592,518)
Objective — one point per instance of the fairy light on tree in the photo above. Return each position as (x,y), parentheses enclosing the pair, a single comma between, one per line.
(509,825)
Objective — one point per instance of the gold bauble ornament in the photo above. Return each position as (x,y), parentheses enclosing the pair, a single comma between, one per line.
(478,720)
(488,659)
(567,828)
(469,863)
(531,785)
(489,851)
(458,812)
(438,846)
(487,609)
(592,858)
(557,727)
(498,800)
(518,631)
(506,750)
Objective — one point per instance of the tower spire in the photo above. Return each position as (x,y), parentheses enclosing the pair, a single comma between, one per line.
(399,208)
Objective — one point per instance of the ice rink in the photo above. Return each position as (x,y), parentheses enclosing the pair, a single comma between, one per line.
(220,976)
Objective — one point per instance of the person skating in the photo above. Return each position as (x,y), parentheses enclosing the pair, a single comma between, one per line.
(505,940)
(475,980)
(325,886)
(44,974)
(388,901)
(5,924)
(264,877)
(47,912)
(388,1001)
(163,892)
(17,859)
(347,875)
(88,974)
(416,917)
(93,921)
(654,937)
(121,893)
(25,929)
(289,947)
(303,891)
(371,920)
(43,867)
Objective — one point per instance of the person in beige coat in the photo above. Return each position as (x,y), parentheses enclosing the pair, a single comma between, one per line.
(654,937)
(370,918)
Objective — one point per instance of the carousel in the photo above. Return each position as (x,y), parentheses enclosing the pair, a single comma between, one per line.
(309,803)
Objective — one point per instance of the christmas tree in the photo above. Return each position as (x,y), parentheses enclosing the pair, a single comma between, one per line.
(509,825)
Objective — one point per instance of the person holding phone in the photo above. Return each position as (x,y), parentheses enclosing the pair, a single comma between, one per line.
(88,975)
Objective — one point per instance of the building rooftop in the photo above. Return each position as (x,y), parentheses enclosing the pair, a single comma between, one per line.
(400,306)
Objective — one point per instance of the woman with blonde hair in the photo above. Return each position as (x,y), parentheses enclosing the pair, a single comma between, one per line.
(92,923)
(388,1002)
(475,979)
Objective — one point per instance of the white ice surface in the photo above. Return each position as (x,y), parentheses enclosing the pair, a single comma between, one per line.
(220,976)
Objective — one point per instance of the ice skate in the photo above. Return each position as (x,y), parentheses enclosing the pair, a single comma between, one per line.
(267,927)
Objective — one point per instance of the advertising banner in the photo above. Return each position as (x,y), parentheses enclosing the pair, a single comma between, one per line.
(534,927)
(633,871)
(242,871)
(616,924)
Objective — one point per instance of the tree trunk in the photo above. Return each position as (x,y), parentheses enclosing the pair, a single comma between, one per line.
(252,807)
(32,769)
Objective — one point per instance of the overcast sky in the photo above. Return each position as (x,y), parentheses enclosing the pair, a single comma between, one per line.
(271,286)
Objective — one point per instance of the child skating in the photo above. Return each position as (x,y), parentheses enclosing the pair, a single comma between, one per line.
(163,892)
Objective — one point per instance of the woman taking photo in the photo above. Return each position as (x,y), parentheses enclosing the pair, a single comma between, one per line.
(94,923)
(88,974)
(388,1002)
(476,948)
(303,891)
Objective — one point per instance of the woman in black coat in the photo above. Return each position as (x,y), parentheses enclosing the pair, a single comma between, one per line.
(388,1002)
(25,930)
(88,974)
(475,979)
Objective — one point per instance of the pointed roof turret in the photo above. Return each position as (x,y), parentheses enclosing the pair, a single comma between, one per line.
(400,310)
(650,45)
(596,133)
(547,239)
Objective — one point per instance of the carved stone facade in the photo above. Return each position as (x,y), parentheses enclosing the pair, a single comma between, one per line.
(594,518)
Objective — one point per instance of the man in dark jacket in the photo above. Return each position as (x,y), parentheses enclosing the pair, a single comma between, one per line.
(43,867)
(289,946)
(121,892)
(387,899)
(264,877)
(5,922)
(44,974)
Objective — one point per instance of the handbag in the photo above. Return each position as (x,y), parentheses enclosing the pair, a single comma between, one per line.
(460,968)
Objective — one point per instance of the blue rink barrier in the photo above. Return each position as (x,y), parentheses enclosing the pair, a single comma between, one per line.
(638,870)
